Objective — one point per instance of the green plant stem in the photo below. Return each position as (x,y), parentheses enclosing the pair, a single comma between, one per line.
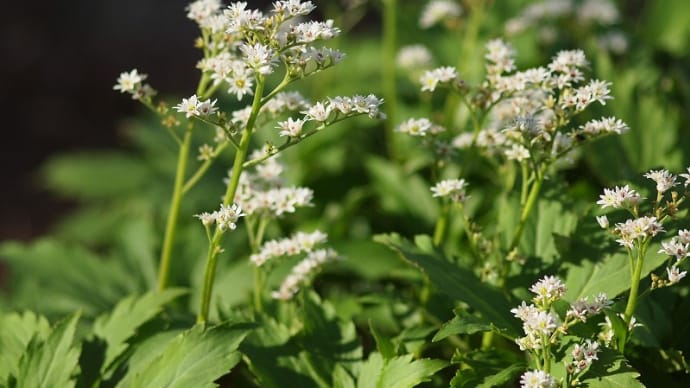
(389,73)
(441,225)
(199,173)
(527,209)
(547,354)
(175,203)
(634,288)
(237,168)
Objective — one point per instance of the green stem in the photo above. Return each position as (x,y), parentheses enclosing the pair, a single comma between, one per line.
(258,290)
(199,173)
(237,167)
(175,203)
(527,209)
(389,74)
(547,354)
(441,225)
(634,287)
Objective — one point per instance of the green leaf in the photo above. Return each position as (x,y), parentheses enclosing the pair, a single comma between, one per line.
(401,192)
(51,363)
(401,371)
(465,324)
(341,378)
(15,333)
(121,324)
(84,175)
(486,368)
(611,370)
(195,358)
(384,345)
(457,282)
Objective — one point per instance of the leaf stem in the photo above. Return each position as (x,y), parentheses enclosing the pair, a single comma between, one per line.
(441,224)
(175,204)
(389,74)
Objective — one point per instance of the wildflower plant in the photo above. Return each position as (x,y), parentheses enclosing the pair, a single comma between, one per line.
(242,48)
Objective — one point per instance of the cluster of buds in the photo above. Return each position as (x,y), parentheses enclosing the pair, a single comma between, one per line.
(543,327)
(303,272)
(583,356)
(638,231)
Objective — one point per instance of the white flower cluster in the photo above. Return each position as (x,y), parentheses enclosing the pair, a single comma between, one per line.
(243,43)
(192,106)
(637,229)
(537,379)
(438,11)
(619,197)
(455,189)
(547,15)
(340,107)
(303,272)
(582,309)
(132,82)
(430,79)
(538,322)
(679,248)
(530,111)
(262,190)
(226,217)
(583,356)
(663,178)
(419,127)
(298,243)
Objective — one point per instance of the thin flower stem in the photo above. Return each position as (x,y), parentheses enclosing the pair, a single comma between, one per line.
(237,168)
(441,224)
(634,288)
(175,203)
(527,209)
(388,75)
(547,354)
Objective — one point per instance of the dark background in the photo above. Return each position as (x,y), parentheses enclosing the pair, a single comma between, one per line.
(59,61)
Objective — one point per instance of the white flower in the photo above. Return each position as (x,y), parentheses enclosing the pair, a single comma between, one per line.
(537,379)
(206,218)
(564,61)
(675,275)
(500,55)
(189,106)
(227,216)
(303,271)
(202,10)
(675,247)
(605,125)
(438,10)
(431,78)
(517,152)
(241,83)
(548,289)
(684,236)
(618,197)
(318,112)
(293,7)
(205,152)
(259,57)
(290,127)
(128,82)
(452,188)
(207,107)
(664,179)
(603,221)
(415,127)
(633,229)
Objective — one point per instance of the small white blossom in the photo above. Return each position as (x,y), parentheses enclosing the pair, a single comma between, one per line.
(618,197)
(206,108)
(684,236)
(664,179)
(293,8)
(128,82)
(416,127)
(452,188)
(259,57)
(500,55)
(290,127)
(603,221)
(205,152)
(226,217)
(676,248)
(431,78)
(675,274)
(189,106)
(517,152)
(604,125)
(537,379)
(301,272)
(318,112)
(548,289)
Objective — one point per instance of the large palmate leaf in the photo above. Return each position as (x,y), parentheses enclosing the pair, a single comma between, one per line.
(116,327)
(73,277)
(401,371)
(457,282)
(195,358)
(51,362)
(16,330)
(611,370)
